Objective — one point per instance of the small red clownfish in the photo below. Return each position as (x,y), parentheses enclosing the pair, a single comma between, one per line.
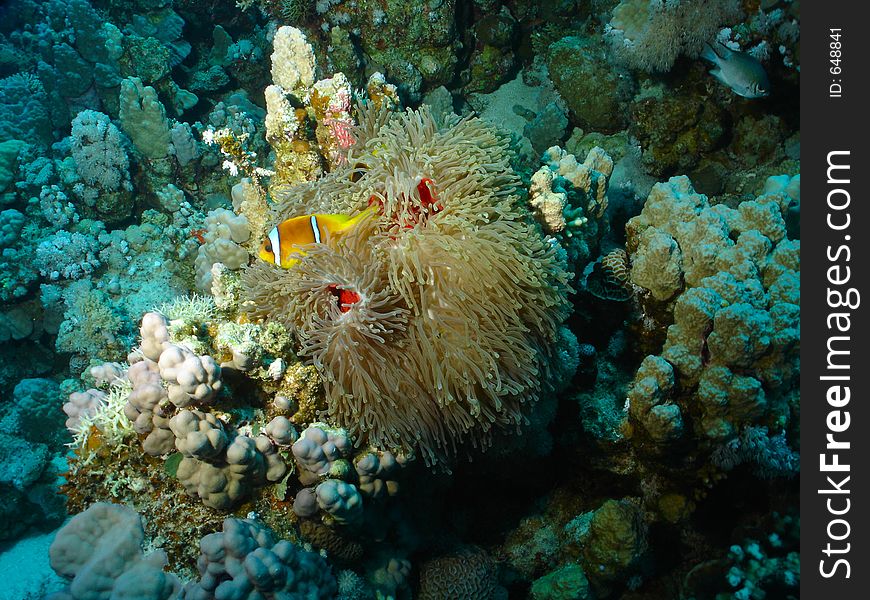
(413,212)
(281,248)
(428,196)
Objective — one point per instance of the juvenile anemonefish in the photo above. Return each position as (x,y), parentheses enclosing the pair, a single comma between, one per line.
(281,248)
(428,196)
(413,213)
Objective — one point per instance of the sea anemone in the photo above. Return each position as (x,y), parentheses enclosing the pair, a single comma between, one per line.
(431,321)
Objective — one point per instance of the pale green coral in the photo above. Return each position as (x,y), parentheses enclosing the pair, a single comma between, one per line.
(241,342)
(226,287)
(194,308)
(9,151)
(143,118)
(566,583)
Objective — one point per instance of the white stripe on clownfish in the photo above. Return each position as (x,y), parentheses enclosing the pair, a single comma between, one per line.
(315,229)
(275,239)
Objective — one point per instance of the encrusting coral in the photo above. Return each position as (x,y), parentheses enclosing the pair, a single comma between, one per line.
(431,321)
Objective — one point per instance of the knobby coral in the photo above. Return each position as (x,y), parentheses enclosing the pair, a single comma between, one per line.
(430,322)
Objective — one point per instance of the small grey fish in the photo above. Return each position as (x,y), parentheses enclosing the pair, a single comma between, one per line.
(738,70)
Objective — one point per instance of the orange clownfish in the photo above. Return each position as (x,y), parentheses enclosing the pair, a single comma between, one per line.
(281,246)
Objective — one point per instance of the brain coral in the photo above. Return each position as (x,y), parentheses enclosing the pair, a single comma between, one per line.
(466,574)
(431,321)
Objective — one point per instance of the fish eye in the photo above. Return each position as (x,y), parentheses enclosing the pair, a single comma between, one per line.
(267,246)
(358,171)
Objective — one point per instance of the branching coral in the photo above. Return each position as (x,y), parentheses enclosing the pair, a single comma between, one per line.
(144,118)
(169,393)
(429,322)
(105,414)
(650,35)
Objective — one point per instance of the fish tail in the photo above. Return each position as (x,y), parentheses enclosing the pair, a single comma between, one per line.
(709,54)
(371,210)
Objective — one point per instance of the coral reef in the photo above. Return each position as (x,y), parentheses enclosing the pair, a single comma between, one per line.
(554,353)
(407,270)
